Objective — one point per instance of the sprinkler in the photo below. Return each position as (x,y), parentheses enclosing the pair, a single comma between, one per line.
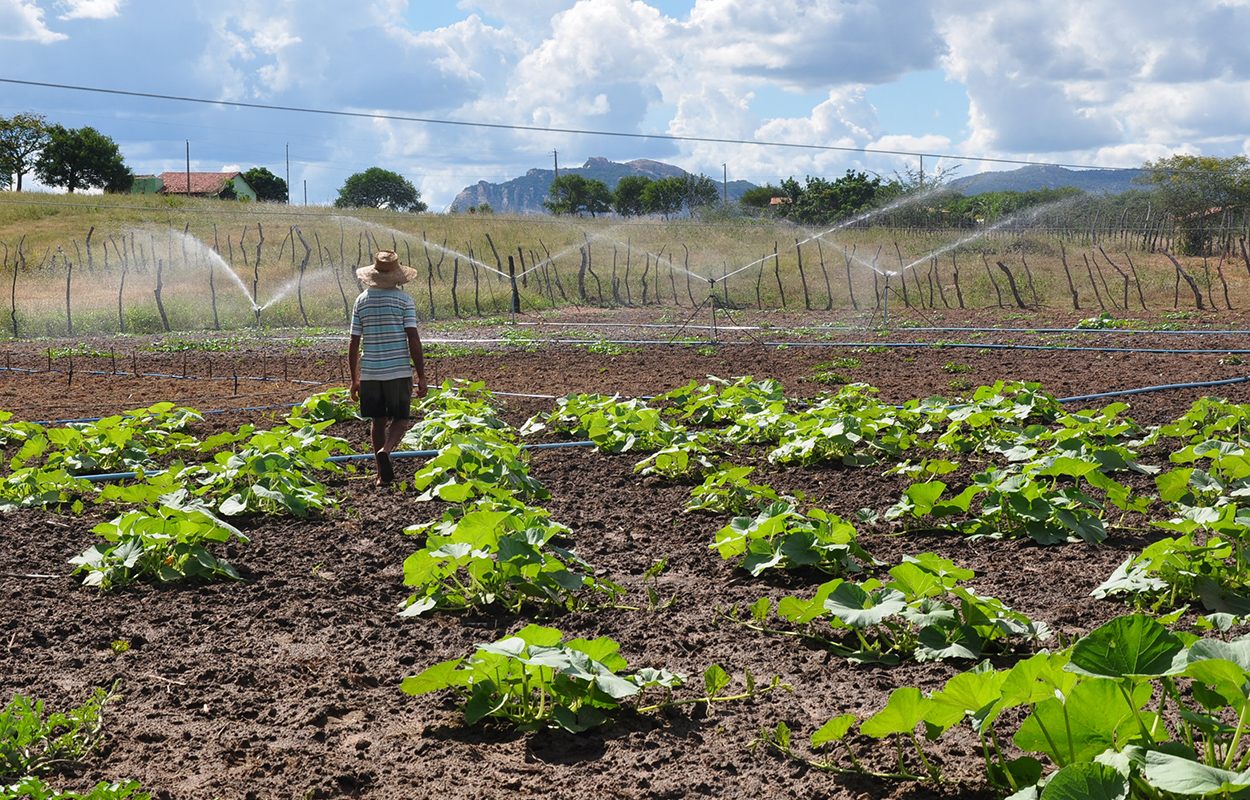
(885,307)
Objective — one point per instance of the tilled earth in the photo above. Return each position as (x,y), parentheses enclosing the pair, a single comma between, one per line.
(287,683)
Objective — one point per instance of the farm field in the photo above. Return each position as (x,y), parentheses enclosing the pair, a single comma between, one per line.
(287,683)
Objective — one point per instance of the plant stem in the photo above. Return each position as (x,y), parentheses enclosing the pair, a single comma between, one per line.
(933,772)
(1241,728)
(776,684)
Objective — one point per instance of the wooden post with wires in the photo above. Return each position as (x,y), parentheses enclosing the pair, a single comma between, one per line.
(711,296)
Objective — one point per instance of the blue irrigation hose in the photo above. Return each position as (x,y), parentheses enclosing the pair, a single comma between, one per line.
(121,476)
(129,416)
(1055,348)
(853,328)
(1074,330)
(159,375)
(785,345)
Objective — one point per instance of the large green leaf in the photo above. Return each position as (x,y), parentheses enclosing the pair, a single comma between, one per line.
(924,495)
(1173,485)
(1130,646)
(905,709)
(936,643)
(834,730)
(1181,775)
(859,609)
(1086,781)
(439,676)
(1097,718)
(970,694)
(1236,651)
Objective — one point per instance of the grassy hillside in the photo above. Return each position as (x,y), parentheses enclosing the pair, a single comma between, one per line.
(209,259)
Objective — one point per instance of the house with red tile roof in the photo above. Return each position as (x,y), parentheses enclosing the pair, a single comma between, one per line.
(203,184)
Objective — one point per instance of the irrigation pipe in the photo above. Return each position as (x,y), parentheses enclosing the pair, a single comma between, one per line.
(121,476)
(1163,387)
(784,345)
(264,408)
(160,375)
(131,416)
(856,328)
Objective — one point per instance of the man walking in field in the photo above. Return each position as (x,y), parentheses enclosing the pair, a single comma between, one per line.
(382,353)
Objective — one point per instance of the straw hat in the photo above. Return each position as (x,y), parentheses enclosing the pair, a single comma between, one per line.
(385,272)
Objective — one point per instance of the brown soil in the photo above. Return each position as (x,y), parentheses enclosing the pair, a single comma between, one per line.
(287,684)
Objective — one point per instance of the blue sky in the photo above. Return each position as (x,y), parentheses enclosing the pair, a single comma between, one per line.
(1094,82)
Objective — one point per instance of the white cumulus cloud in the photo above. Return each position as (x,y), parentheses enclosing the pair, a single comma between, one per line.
(22,20)
(89,9)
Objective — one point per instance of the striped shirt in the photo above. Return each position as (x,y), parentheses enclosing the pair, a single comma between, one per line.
(379,318)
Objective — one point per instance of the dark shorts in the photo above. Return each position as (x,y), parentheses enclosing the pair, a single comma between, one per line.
(391,399)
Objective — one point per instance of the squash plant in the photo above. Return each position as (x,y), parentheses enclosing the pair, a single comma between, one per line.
(614,424)
(498,552)
(470,467)
(274,474)
(162,544)
(780,537)
(921,614)
(536,679)
(457,409)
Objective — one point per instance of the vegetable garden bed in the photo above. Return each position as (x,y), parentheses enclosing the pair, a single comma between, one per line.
(289,681)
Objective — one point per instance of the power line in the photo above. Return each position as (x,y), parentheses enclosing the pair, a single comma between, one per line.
(538,129)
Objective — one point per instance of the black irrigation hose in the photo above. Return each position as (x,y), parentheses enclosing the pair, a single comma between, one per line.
(1144,389)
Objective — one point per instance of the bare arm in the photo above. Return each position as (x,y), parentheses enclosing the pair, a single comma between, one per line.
(353,365)
(418,360)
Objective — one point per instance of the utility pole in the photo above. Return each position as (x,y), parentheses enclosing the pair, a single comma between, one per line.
(922,171)
(725,183)
(555,154)
(305,191)
(288,174)
(188,167)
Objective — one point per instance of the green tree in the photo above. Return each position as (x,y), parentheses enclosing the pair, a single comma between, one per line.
(600,201)
(1197,191)
(698,192)
(575,194)
(269,188)
(379,188)
(627,198)
(22,138)
(760,196)
(82,158)
(664,197)
(821,202)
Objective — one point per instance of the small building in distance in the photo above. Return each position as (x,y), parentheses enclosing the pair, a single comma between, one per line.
(203,184)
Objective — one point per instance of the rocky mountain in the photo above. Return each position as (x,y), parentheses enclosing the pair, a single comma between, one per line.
(525,195)
(1111,181)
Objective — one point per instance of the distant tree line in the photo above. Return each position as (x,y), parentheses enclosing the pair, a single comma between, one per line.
(635,195)
(1203,198)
